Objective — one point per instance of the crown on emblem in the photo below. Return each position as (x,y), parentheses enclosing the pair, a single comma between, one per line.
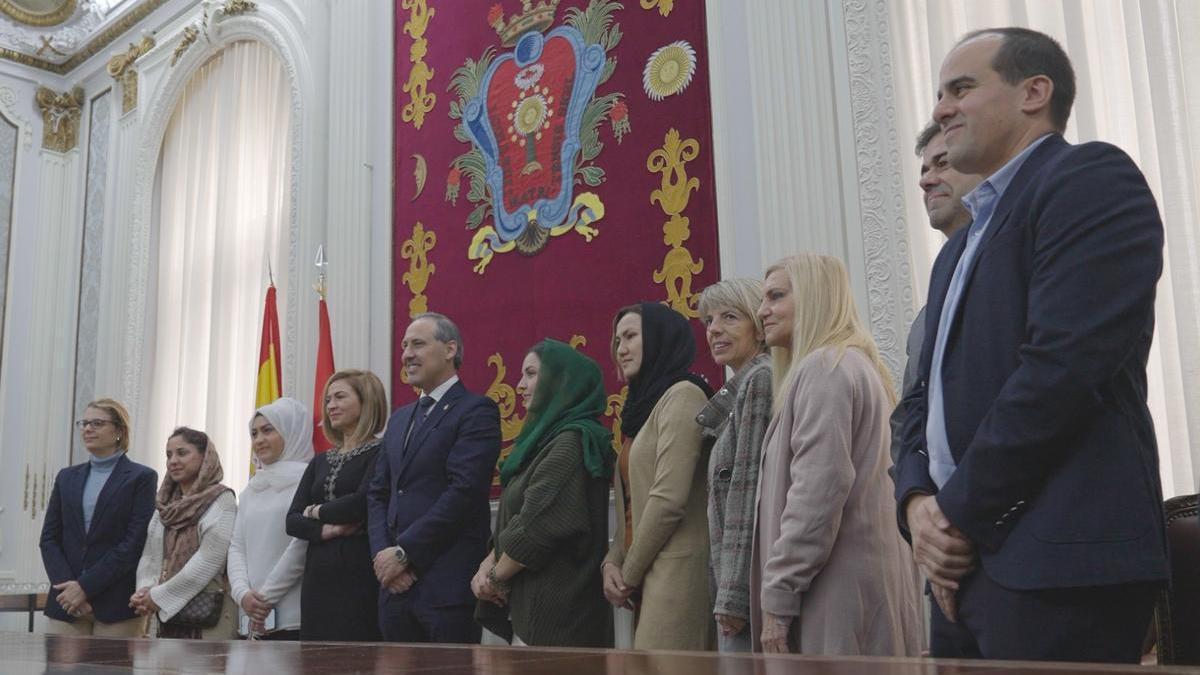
(532,17)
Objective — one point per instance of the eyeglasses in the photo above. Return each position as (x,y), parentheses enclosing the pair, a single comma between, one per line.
(91,424)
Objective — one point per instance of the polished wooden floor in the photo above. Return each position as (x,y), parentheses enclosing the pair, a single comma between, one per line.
(37,653)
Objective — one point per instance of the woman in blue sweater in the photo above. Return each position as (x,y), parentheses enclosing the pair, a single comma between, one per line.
(95,528)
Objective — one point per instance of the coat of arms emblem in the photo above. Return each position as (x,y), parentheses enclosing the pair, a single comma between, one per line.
(532,116)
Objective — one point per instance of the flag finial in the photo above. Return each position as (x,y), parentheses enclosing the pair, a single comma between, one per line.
(320,263)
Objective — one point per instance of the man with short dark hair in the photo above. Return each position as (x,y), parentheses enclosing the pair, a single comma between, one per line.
(427,508)
(1028,477)
(943,189)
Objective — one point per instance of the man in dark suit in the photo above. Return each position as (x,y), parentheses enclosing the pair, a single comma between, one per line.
(427,510)
(943,189)
(94,530)
(1028,479)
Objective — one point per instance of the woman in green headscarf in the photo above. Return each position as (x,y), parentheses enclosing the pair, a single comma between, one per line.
(538,586)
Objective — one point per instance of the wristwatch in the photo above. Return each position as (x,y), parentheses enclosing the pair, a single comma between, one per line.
(401,556)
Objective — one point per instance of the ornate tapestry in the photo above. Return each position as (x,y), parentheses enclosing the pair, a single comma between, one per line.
(553,162)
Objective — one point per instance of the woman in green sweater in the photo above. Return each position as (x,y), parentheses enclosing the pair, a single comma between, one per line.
(538,586)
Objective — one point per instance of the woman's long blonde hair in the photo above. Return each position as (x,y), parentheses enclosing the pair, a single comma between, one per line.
(825,316)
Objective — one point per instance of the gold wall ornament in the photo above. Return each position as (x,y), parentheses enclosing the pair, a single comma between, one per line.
(416,250)
(614,407)
(664,7)
(60,117)
(421,101)
(673,194)
(190,35)
(506,399)
(48,46)
(577,341)
(236,7)
(39,14)
(120,67)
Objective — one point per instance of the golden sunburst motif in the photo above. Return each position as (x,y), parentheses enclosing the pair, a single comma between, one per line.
(669,70)
(530,115)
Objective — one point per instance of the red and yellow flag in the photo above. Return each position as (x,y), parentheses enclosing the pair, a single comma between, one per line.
(269,359)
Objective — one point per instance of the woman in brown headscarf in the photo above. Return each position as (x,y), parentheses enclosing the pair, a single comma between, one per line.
(187,544)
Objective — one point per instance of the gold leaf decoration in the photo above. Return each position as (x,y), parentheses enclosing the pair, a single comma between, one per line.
(577,341)
(615,405)
(506,399)
(416,250)
(664,7)
(672,196)
(60,117)
(421,101)
(190,35)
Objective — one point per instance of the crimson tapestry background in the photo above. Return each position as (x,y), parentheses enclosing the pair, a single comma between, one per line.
(553,162)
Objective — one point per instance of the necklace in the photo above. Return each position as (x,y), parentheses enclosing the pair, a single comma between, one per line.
(338,459)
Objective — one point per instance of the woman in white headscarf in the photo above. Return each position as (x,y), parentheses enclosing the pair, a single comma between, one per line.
(265,564)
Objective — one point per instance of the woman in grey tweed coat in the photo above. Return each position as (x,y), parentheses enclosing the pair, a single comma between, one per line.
(737,416)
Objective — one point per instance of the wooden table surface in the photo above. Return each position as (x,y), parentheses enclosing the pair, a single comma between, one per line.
(38,653)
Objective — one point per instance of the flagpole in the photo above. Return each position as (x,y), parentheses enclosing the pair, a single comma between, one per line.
(324,363)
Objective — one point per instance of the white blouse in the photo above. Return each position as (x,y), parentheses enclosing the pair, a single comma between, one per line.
(262,557)
(216,527)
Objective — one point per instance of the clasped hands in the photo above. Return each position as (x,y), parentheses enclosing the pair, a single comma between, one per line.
(482,586)
(142,603)
(617,592)
(255,605)
(941,550)
(393,575)
(72,598)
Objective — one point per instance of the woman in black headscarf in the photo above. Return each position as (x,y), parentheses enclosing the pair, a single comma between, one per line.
(658,562)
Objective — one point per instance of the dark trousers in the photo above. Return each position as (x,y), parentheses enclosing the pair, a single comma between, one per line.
(1098,623)
(403,620)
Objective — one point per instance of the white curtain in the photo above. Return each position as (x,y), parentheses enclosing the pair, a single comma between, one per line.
(1137,65)
(223,204)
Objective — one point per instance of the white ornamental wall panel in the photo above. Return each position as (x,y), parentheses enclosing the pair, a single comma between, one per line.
(806,148)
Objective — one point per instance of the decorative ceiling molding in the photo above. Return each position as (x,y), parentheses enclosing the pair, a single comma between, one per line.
(30,16)
(56,43)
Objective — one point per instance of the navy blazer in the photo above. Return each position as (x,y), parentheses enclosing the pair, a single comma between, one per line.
(103,559)
(433,500)
(1044,378)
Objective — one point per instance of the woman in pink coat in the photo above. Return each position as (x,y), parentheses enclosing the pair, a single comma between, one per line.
(831,574)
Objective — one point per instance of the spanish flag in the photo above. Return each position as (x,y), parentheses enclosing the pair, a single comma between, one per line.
(269,358)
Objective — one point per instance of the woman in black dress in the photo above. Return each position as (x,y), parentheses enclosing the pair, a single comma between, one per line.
(339,596)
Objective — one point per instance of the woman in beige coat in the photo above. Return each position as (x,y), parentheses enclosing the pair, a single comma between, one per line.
(831,574)
(658,562)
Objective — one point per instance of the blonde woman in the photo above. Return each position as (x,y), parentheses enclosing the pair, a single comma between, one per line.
(339,591)
(737,417)
(95,528)
(831,575)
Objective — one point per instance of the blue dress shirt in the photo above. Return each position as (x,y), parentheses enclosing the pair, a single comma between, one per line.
(981,202)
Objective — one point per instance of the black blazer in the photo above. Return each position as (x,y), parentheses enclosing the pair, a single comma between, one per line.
(1044,378)
(433,499)
(103,559)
